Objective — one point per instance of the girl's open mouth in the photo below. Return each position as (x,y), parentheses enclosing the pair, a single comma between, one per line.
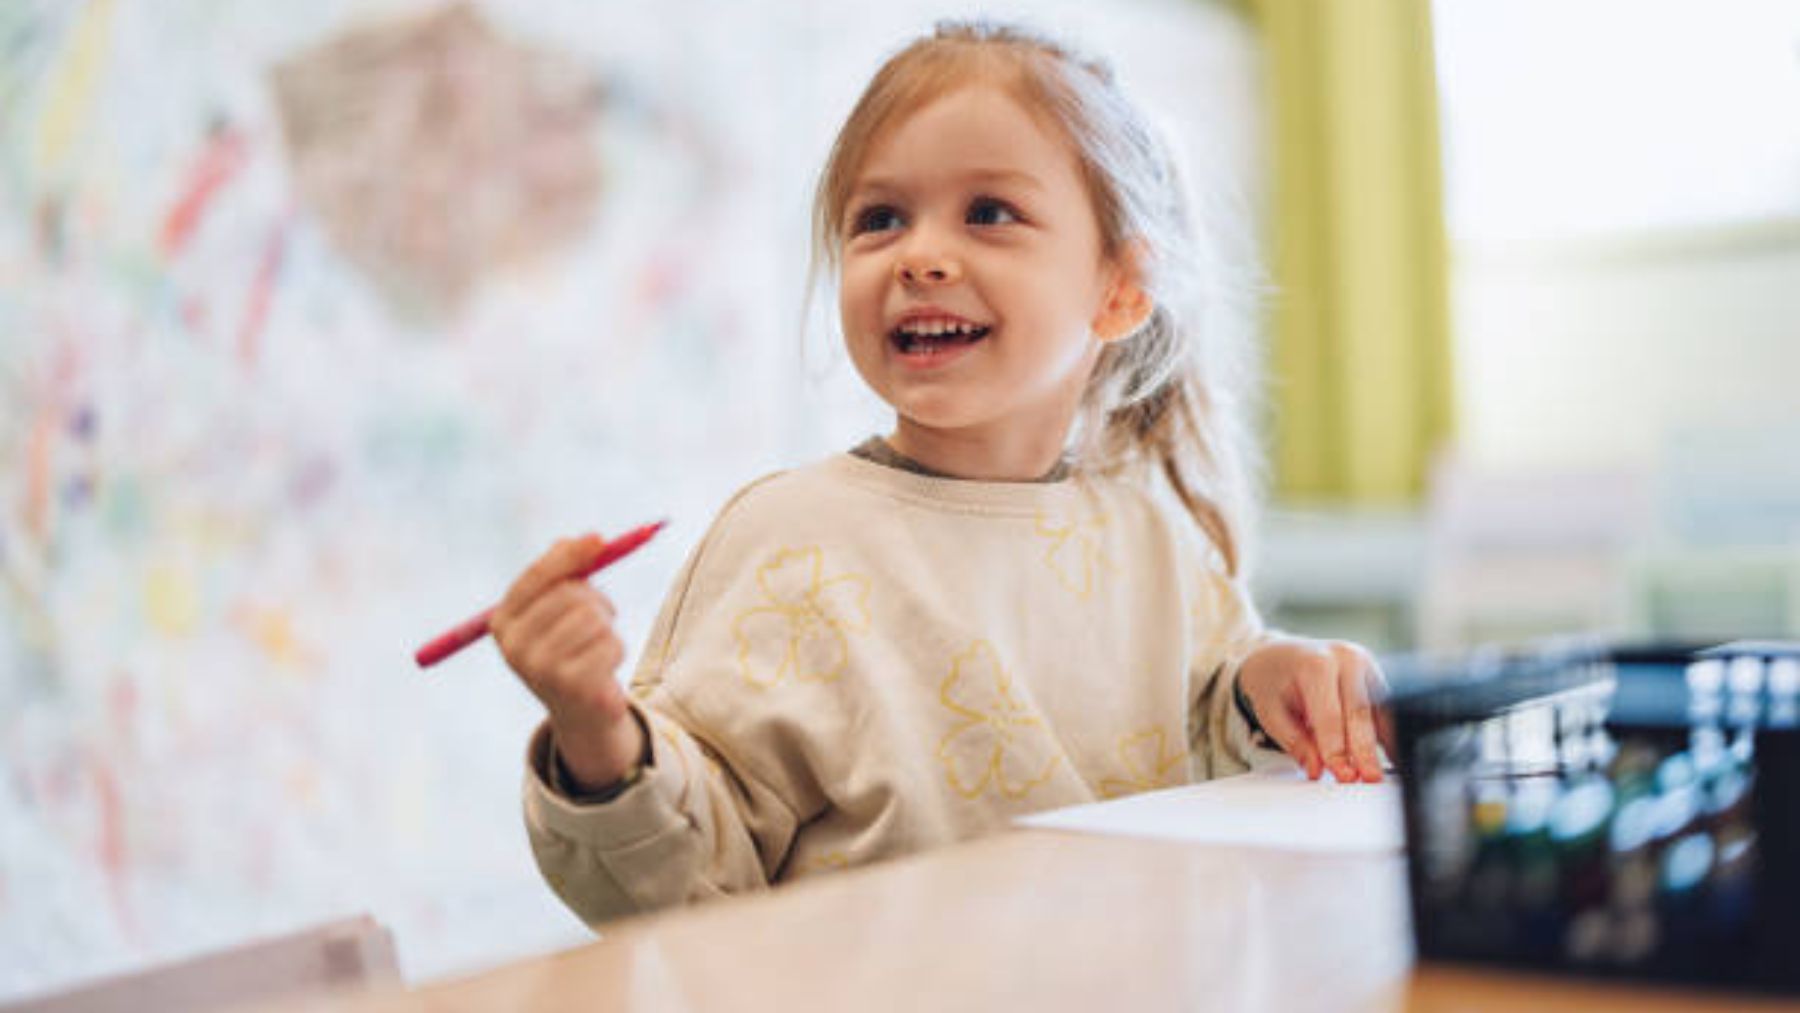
(928,339)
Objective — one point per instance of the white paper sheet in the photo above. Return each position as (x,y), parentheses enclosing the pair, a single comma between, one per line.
(1264,809)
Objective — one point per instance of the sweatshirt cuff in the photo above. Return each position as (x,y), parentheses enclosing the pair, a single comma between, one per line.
(644,809)
(1244,739)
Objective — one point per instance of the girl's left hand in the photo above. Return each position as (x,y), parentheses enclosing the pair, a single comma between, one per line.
(1319,700)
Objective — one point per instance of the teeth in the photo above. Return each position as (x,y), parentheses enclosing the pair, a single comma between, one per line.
(936,328)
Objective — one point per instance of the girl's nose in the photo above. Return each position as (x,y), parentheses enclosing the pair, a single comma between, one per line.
(927,269)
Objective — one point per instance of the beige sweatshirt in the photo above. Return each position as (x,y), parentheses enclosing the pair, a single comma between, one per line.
(859,662)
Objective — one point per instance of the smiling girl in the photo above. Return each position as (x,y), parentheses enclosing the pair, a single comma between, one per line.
(1027,595)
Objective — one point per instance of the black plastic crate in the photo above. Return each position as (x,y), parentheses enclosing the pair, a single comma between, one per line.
(1629,812)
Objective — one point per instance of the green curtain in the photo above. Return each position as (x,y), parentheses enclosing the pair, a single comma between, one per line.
(1360,362)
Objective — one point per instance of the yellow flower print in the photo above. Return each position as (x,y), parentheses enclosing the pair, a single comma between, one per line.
(802,628)
(1074,553)
(1148,763)
(996,742)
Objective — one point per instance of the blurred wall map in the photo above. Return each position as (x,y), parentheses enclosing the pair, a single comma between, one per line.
(316,323)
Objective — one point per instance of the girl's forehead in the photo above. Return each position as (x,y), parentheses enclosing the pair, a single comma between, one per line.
(984,93)
(982,88)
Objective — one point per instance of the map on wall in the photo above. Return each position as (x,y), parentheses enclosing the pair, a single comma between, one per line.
(317,323)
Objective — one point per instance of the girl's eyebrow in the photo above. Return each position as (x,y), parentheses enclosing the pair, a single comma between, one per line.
(1010,177)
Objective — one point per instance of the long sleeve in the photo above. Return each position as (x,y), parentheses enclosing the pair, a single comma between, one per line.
(687,831)
(718,808)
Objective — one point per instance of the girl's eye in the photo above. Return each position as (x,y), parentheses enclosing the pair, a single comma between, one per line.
(874,219)
(987,211)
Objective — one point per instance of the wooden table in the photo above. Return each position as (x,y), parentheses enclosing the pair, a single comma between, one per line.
(1035,920)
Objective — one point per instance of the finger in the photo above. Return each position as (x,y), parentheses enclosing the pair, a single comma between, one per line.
(575,673)
(1318,688)
(1285,728)
(1384,719)
(574,598)
(1359,712)
(531,643)
(567,558)
(580,624)
(529,623)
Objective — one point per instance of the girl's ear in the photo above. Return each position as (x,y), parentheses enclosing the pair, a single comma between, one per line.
(1126,306)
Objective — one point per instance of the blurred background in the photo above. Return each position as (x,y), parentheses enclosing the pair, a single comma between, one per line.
(318,321)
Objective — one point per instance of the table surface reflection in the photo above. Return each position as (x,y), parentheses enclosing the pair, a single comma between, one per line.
(1035,920)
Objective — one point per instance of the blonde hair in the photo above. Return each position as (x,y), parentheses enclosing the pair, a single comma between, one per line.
(1150,406)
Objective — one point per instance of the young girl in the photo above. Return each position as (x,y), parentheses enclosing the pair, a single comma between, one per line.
(1027,596)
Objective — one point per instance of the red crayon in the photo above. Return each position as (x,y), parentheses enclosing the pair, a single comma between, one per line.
(475,627)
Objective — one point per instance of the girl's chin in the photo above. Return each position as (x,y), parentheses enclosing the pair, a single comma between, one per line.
(936,420)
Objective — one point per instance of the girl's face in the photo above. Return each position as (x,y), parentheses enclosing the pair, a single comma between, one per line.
(974,293)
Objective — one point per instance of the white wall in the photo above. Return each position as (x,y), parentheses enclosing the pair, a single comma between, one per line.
(1599,354)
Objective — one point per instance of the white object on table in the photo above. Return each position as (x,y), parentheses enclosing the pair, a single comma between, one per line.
(1271,808)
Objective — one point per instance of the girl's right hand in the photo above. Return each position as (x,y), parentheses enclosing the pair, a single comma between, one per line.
(556,632)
